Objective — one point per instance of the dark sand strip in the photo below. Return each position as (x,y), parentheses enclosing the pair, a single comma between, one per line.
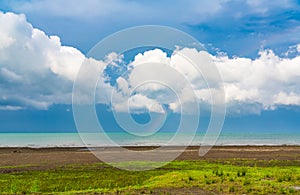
(52,157)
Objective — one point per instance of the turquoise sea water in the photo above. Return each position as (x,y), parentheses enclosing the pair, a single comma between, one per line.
(73,139)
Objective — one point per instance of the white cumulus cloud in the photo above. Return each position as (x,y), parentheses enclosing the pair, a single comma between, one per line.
(250,85)
(37,71)
(268,80)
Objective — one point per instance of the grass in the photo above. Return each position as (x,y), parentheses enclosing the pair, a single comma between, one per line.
(227,177)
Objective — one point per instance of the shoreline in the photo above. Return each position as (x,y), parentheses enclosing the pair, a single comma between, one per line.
(57,165)
(59,156)
(150,146)
(142,148)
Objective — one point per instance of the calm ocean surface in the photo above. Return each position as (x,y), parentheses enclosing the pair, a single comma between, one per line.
(37,140)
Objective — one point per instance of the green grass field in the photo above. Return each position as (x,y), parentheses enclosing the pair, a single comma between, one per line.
(235,176)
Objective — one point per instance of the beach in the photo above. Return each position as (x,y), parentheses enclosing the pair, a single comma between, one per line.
(223,170)
(44,158)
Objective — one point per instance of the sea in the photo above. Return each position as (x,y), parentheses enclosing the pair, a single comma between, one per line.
(42,140)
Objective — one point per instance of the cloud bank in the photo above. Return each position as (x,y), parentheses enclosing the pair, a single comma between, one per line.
(250,85)
(36,71)
(268,80)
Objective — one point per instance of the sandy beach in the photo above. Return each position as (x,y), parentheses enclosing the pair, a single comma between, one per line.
(44,158)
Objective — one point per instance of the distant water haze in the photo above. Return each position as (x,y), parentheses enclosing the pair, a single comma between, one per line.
(56,128)
(38,140)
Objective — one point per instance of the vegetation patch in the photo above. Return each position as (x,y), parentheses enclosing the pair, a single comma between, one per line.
(220,177)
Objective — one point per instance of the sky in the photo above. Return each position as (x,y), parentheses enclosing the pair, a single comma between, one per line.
(255,45)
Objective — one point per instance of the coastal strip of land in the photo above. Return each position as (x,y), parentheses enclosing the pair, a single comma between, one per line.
(223,170)
(51,157)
